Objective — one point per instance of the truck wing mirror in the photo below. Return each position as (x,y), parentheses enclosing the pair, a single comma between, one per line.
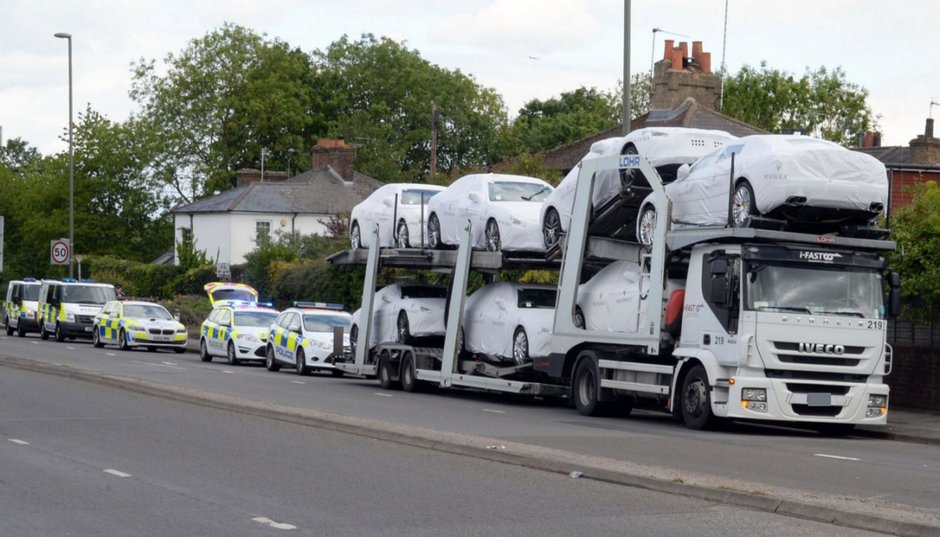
(718,294)
(894,294)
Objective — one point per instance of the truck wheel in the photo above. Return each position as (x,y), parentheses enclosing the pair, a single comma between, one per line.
(385,373)
(59,334)
(300,364)
(232,355)
(96,339)
(204,351)
(122,340)
(269,362)
(697,401)
(42,330)
(586,388)
(409,381)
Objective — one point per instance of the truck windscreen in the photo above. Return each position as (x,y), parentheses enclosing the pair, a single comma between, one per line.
(815,290)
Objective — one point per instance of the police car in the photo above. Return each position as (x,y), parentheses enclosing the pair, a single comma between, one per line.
(303,337)
(132,324)
(237,331)
(19,308)
(223,293)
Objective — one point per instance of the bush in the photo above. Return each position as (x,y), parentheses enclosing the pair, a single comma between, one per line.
(147,280)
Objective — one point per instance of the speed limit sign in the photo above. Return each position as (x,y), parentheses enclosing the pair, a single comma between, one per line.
(60,252)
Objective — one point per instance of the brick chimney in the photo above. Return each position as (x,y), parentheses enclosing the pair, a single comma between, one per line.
(246,176)
(679,76)
(925,149)
(335,154)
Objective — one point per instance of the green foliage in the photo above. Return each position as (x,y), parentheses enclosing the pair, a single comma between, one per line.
(821,102)
(916,228)
(273,255)
(317,280)
(378,94)
(573,115)
(189,257)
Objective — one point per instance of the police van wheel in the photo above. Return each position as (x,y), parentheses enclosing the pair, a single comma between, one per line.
(21,330)
(301,364)
(230,354)
(204,351)
(6,322)
(96,339)
(269,362)
(59,335)
(122,339)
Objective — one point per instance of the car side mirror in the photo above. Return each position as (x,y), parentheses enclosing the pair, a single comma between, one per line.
(474,197)
(500,304)
(388,202)
(386,298)
(176,314)
(294,328)
(683,172)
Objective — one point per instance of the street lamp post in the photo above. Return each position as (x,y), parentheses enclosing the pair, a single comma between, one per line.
(63,35)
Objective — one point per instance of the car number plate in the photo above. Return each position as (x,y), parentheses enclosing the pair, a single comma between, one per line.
(88,328)
(161,338)
(819,399)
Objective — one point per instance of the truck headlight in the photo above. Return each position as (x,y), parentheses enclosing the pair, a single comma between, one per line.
(877,406)
(753,394)
(877,400)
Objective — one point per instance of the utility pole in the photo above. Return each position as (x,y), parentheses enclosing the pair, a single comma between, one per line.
(626,67)
(63,35)
(433,139)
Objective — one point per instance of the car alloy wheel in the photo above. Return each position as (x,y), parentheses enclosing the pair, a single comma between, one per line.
(742,203)
(355,239)
(402,239)
(551,228)
(647,227)
(492,236)
(520,346)
(434,233)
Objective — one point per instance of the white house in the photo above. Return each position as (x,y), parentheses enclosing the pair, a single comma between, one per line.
(227,226)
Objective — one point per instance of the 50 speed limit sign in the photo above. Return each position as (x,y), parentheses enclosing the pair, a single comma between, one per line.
(60,252)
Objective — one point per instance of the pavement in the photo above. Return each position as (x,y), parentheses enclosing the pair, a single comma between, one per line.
(904,425)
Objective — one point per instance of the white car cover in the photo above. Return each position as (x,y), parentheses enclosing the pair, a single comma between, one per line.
(379,208)
(512,201)
(610,300)
(779,167)
(494,313)
(422,304)
(664,147)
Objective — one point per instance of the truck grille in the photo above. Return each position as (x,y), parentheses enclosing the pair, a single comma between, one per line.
(816,388)
(813,359)
(85,319)
(806,410)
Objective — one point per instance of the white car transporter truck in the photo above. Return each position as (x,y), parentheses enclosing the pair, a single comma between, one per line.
(733,322)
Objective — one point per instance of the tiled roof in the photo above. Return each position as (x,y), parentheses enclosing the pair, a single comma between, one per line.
(320,191)
(897,154)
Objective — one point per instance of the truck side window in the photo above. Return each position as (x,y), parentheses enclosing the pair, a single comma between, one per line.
(722,289)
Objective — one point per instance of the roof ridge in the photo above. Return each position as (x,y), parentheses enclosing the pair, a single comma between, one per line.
(241,196)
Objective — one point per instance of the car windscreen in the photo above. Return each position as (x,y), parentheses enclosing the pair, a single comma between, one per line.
(255,318)
(536,298)
(146,311)
(87,294)
(815,290)
(30,292)
(518,191)
(325,322)
(414,196)
(233,294)
(423,291)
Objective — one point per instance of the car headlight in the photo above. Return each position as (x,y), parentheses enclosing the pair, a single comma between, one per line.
(247,337)
(70,317)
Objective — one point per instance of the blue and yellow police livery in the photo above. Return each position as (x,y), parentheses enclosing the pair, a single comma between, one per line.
(303,337)
(19,308)
(138,324)
(67,308)
(237,332)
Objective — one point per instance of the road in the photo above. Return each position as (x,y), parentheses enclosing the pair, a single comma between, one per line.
(83,459)
(867,468)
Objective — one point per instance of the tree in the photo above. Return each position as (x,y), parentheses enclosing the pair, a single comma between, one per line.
(559,120)
(821,103)
(916,228)
(224,98)
(378,94)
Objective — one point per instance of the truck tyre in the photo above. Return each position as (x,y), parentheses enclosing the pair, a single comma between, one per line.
(697,401)
(59,334)
(586,386)
(204,351)
(409,381)
(231,355)
(300,364)
(42,330)
(385,373)
(269,362)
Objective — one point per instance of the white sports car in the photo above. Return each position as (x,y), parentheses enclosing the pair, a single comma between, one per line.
(510,321)
(667,148)
(403,312)
(503,210)
(798,179)
(400,225)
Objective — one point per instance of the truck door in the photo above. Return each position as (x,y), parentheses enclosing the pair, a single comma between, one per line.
(721,285)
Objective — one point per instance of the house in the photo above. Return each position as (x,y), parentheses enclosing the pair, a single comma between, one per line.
(227,226)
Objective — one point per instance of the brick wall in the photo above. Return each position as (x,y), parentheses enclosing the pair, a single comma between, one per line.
(902,183)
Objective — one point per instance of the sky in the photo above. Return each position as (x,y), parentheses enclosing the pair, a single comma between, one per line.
(524,49)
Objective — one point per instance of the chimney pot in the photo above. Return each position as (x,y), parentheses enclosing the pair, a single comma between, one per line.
(697,51)
(685,49)
(928,128)
(876,139)
(667,54)
(706,62)
(869,139)
(677,59)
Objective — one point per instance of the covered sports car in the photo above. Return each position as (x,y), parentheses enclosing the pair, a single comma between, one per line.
(509,321)
(403,312)
(503,210)
(800,180)
(666,148)
(400,225)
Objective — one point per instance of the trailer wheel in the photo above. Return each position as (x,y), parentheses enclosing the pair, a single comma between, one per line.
(353,337)
(697,401)
(409,381)
(586,388)
(385,372)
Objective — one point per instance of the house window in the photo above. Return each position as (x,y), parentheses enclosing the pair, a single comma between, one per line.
(186,236)
(262,230)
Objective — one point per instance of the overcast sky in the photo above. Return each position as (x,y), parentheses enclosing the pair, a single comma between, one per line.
(523,49)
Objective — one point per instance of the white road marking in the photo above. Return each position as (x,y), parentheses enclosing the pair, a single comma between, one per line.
(227,371)
(167,363)
(117,473)
(276,525)
(17,441)
(70,348)
(836,457)
(110,354)
(380,394)
(492,411)
(298,382)
(34,342)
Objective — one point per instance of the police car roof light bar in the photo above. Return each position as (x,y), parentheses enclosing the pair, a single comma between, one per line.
(321,305)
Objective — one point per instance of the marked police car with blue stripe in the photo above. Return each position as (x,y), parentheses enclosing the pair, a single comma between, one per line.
(20,307)
(308,337)
(237,332)
(138,324)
